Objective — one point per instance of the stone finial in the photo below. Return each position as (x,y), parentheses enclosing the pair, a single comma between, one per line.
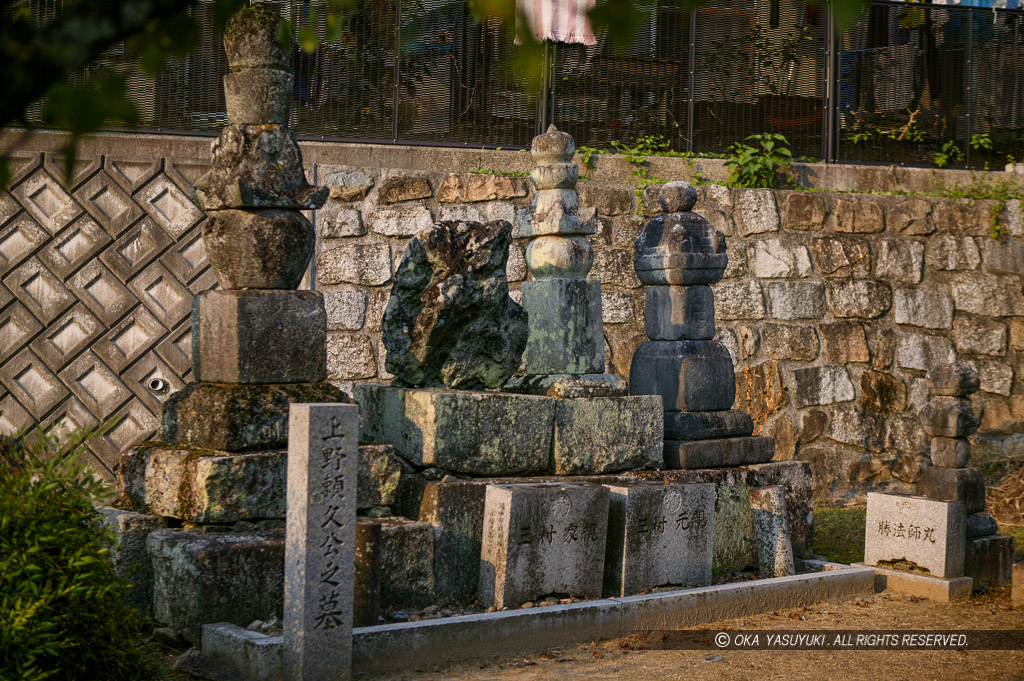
(677,197)
(680,248)
(553,146)
(958,380)
(251,40)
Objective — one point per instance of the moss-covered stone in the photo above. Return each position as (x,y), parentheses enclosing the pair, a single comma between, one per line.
(238,418)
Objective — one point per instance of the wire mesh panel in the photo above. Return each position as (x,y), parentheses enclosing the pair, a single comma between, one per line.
(903,79)
(759,67)
(346,88)
(997,121)
(602,95)
(459,81)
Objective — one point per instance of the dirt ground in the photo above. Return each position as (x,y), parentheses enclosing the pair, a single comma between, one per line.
(614,660)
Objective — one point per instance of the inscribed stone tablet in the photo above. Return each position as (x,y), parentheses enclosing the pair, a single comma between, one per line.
(658,535)
(541,539)
(320,541)
(927,533)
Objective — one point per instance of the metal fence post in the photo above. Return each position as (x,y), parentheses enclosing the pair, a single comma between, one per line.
(398,71)
(969,84)
(690,94)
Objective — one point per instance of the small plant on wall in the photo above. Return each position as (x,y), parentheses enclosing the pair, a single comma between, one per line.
(756,165)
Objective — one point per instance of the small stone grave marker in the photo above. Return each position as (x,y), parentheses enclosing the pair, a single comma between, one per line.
(542,539)
(320,541)
(658,535)
(928,533)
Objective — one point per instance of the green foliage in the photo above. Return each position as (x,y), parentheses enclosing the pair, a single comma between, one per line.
(62,616)
(999,190)
(757,164)
(982,144)
(839,534)
(949,153)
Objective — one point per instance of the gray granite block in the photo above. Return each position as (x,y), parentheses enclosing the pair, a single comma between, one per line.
(217,577)
(259,336)
(658,535)
(407,564)
(366,609)
(688,375)
(951,417)
(950,452)
(771,532)
(679,312)
(542,539)
(707,425)
(989,560)
(566,329)
(595,435)
(130,557)
(733,451)
(954,484)
(915,532)
(477,433)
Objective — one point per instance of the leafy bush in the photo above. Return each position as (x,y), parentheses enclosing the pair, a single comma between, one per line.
(61,609)
(756,165)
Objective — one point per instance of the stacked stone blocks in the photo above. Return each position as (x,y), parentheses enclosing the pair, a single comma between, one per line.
(950,418)
(678,255)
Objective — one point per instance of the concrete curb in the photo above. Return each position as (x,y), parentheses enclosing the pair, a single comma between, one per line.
(388,647)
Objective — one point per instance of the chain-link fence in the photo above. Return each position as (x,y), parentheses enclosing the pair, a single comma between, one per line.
(912,83)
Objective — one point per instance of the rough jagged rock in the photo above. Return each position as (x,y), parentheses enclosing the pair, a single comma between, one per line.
(450,320)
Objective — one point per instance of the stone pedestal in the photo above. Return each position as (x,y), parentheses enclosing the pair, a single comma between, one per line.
(500,434)
(678,256)
(920,535)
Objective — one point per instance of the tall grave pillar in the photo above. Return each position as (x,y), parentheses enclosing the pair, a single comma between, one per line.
(678,256)
(564,354)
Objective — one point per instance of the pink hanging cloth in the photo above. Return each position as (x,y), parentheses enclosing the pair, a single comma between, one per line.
(560,21)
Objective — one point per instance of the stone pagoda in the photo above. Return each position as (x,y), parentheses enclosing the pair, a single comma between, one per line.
(677,256)
(949,419)
(258,345)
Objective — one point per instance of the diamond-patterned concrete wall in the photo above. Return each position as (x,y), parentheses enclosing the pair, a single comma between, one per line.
(97,284)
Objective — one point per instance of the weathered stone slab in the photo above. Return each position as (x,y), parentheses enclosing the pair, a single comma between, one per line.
(989,560)
(450,321)
(237,418)
(461,431)
(542,539)
(201,485)
(921,585)
(707,425)
(407,564)
(954,484)
(771,532)
(733,451)
(595,435)
(217,577)
(927,533)
(259,336)
(981,525)
(679,312)
(379,476)
(366,595)
(688,375)
(566,329)
(129,556)
(658,535)
(321,541)
(569,386)
(255,96)
(950,452)
(951,417)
